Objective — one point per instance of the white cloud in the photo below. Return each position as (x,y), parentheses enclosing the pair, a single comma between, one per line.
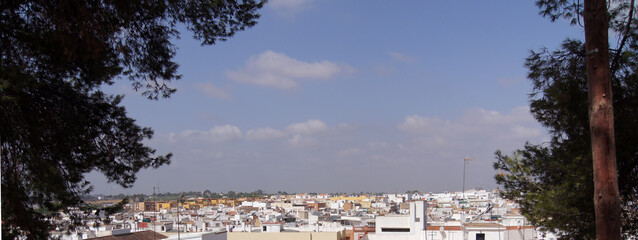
(475,123)
(401,57)
(518,115)
(264,134)
(417,123)
(522,131)
(188,133)
(423,149)
(277,70)
(309,127)
(289,7)
(224,133)
(171,137)
(212,91)
(216,134)
(299,140)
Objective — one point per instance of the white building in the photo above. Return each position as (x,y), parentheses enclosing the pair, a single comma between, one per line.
(410,227)
(272,226)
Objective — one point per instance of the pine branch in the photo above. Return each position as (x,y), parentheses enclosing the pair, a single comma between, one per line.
(616,61)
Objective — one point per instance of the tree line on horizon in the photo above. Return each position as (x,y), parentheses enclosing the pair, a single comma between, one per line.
(207,194)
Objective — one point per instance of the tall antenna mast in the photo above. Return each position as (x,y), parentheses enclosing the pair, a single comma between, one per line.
(465,161)
(154,212)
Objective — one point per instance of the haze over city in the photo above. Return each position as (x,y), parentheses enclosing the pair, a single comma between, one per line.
(343,96)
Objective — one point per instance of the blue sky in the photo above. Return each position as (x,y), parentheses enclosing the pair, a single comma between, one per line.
(348,96)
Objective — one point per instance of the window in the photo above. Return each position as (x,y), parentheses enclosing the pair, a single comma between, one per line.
(480,236)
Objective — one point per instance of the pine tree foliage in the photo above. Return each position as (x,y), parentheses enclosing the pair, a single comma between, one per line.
(553,181)
(57,125)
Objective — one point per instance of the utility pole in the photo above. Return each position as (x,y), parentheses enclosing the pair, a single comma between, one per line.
(465,161)
(601,120)
(178,220)
(154,214)
(179,202)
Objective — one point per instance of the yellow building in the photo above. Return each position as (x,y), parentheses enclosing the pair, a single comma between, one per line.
(190,206)
(164,205)
(366,204)
(352,199)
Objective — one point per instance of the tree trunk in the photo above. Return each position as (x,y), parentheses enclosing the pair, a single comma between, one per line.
(601,120)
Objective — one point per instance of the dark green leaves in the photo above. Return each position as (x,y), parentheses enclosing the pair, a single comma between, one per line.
(56,124)
(93,42)
(555,9)
(553,181)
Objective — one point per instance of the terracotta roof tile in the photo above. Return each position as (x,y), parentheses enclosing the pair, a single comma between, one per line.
(135,236)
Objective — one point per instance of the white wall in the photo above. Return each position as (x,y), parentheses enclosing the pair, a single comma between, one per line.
(445,235)
(415,222)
